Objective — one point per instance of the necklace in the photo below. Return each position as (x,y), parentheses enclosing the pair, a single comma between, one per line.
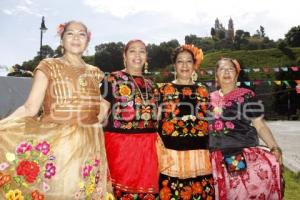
(139,89)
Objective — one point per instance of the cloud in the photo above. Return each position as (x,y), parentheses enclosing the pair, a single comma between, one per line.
(8,12)
(23,7)
(247,15)
(184,11)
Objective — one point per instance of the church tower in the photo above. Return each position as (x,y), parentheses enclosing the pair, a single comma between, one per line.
(217,24)
(230,30)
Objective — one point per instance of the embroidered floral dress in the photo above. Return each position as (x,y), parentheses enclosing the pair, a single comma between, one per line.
(61,156)
(184,132)
(232,141)
(130,135)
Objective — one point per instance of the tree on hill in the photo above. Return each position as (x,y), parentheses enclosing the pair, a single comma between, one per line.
(109,56)
(159,56)
(205,43)
(293,37)
(241,39)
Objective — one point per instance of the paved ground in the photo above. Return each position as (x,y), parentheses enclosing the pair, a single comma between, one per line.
(287,134)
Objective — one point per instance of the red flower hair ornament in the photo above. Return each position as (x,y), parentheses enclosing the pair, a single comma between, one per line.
(197,52)
(61,28)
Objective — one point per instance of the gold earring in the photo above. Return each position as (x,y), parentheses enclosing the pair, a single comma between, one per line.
(194,76)
(146,68)
(124,63)
(62,49)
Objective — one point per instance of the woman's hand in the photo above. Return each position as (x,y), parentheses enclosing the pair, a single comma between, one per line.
(277,152)
(266,135)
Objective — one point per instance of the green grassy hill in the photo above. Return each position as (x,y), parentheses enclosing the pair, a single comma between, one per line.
(256,58)
(248,59)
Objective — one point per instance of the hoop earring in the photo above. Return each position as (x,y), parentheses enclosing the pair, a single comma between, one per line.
(146,68)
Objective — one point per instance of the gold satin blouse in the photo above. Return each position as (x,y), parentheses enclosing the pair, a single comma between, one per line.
(73,94)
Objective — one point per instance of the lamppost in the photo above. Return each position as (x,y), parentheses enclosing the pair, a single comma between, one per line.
(43,29)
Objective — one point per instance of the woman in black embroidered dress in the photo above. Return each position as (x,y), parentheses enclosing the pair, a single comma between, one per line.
(240,168)
(130,134)
(184,132)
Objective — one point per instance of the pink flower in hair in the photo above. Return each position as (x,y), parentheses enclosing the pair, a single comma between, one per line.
(60,29)
(89,35)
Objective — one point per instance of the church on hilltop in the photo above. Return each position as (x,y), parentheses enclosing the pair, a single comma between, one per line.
(219,31)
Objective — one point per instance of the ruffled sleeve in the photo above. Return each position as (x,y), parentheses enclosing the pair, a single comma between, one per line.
(44,67)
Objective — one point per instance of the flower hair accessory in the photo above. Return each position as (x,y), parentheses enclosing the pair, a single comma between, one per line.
(198,54)
(237,65)
(61,29)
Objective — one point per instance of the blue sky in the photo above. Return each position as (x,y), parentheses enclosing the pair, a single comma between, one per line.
(153,21)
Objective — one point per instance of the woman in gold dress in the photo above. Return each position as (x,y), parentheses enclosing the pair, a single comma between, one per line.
(60,155)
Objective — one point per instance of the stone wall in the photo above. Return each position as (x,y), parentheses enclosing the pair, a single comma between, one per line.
(13,93)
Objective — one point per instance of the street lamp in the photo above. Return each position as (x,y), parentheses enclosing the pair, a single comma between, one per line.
(43,29)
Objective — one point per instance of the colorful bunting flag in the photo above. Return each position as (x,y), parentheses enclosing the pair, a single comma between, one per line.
(294,68)
(210,72)
(277,82)
(257,82)
(209,84)
(287,84)
(247,70)
(248,83)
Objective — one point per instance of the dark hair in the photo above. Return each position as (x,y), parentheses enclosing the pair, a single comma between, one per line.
(130,42)
(179,50)
(230,60)
(67,24)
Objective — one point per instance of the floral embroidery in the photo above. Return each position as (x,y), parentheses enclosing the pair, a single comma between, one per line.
(219,127)
(168,127)
(90,179)
(119,194)
(33,164)
(186,91)
(173,188)
(222,127)
(202,92)
(185,125)
(14,195)
(129,111)
(124,90)
(235,163)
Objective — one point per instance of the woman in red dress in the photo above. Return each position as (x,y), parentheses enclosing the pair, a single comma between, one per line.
(130,134)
